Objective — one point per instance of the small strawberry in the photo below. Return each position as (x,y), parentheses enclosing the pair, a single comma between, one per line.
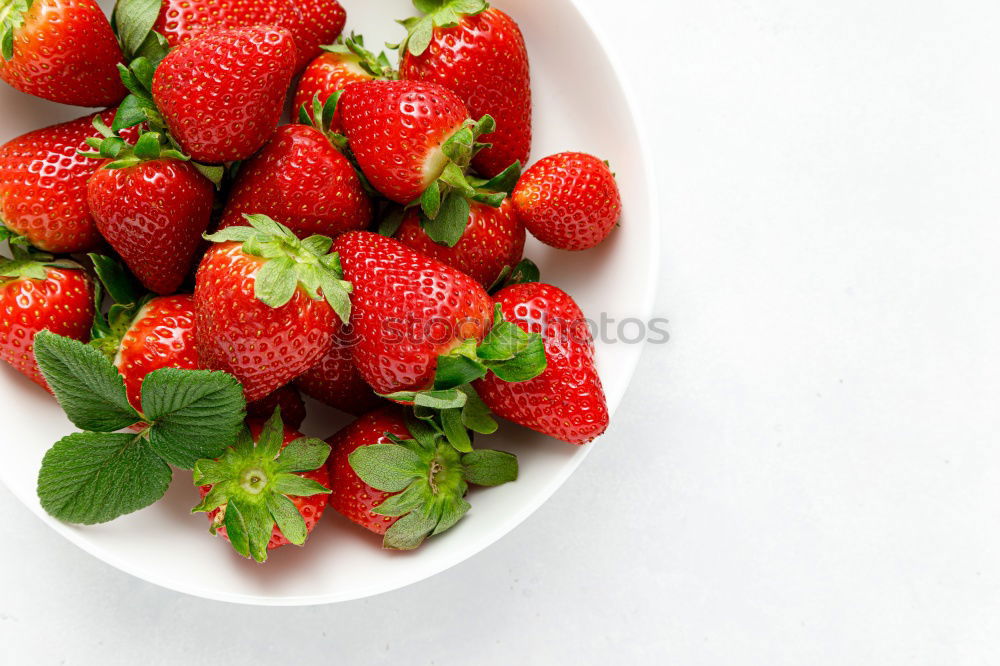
(302,181)
(266,491)
(267,304)
(478,52)
(287,398)
(342,64)
(60,50)
(335,380)
(401,479)
(221,94)
(152,207)
(566,401)
(492,241)
(569,201)
(319,22)
(43,185)
(40,294)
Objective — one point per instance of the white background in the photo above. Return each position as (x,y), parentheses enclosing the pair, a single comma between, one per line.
(807,474)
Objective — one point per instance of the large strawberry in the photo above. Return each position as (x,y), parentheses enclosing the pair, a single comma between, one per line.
(152,207)
(400,478)
(40,294)
(221,94)
(302,181)
(43,185)
(569,200)
(566,401)
(267,304)
(319,22)
(60,50)
(478,52)
(266,491)
(335,380)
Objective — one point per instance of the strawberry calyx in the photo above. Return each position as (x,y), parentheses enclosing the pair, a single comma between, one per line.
(290,263)
(127,303)
(321,118)
(430,477)
(252,483)
(353,47)
(28,263)
(11,19)
(437,14)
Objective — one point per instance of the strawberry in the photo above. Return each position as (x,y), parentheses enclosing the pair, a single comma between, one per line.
(266,491)
(342,64)
(43,185)
(39,294)
(335,380)
(267,304)
(492,241)
(60,50)
(287,398)
(479,53)
(398,477)
(319,22)
(221,94)
(566,401)
(569,201)
(301,180)
(152,207)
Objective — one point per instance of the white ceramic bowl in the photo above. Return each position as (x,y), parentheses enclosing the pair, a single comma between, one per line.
(580,104)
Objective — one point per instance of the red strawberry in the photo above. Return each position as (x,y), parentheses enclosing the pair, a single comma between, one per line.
(480,54)
(161,336)
(569,200)
(267,491)
(222,93)
(60,50)
(267,319)
(301,180)
(43,185)
(319,22)
(293,410)
(37,294)
(403,480)
(566,401)
(335,380)
(152,210)
(408,310)
(493,240)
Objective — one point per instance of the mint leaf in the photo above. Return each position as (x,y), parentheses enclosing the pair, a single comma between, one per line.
(134,19)
(194,413)
(90,478)
(86,384)
(489,468)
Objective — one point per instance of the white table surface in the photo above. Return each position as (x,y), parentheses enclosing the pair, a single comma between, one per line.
(807,474)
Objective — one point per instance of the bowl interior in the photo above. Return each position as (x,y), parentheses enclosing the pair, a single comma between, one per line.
(579,105)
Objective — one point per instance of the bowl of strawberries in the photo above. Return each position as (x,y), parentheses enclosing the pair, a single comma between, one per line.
(298,303)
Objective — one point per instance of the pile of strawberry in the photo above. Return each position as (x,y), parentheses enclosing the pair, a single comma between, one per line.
(182,267)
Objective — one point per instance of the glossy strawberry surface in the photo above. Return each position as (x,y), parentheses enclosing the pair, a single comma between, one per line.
(161,336)
(181,20)
(43,186)
(484,60)
(62,303)
(319,22)
(64,51)
(407,310)
(396,129)
(153,214)
(567,400)
(311,508)
(326,75)
(263,347)
(293,409)
(299,179)
(335,380)
(352,497)
(223,92)
(493,239)
(569,201)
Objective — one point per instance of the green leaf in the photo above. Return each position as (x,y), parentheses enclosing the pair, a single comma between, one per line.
(297,486)
(430,200)
(276,281)
(7,44)
(154,48)
(526,365)
(392,221)
(208,472)
(214,173)
(449,225)
(131,112)
(134,20)
(303,455)
(288,518)
(489,468)
(454,429)
(143,71)
(318,245)
(506,180)
(148,146)
(231,235)
(271,437)
(525,271)
(453,370)
(439,399)
(450,513)
(476,415)
(195,413)
(90,478)
(87,385)
(237,529)
(414,497)
(387,467)
(409,531)
(420,36)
